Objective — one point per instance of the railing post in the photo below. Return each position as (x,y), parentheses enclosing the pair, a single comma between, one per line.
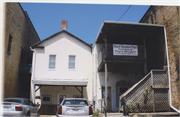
(120,104)
(168,103)
(153,101)
(125,108)
(145,56)
(153,91)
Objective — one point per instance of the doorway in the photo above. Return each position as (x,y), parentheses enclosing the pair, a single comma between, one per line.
(61,97)
(109,98)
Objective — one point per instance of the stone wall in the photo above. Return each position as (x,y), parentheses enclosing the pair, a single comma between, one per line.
(18,25)
(168,16)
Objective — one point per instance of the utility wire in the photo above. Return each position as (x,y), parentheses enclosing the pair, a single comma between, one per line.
(119,18)
(124,13)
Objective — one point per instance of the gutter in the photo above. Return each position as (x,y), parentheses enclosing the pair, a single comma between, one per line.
(32,76)
(169,74)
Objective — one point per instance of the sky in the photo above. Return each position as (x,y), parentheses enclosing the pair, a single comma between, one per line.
(83,20)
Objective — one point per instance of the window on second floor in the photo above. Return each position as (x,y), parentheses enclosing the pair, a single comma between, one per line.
(52,61)
(72,61)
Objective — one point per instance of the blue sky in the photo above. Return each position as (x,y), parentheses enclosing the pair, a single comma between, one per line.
(84,20)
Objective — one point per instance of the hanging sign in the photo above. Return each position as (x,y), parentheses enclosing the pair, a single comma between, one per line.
(125,50)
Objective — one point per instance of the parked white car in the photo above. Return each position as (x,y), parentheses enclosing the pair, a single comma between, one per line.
(17,107)
(75,107)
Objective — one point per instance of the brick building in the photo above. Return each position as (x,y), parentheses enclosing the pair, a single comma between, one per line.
(18,35)
(168,16)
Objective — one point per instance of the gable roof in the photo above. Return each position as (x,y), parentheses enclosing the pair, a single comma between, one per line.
(36,45)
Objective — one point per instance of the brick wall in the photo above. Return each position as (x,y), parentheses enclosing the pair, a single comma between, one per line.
(168,16)
(18,25)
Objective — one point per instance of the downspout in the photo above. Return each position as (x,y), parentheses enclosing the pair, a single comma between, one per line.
(32,94)
(169,73)
(92,77)
(95,81)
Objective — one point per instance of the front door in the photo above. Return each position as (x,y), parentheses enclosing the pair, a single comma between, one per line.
(61,97)
(109,102)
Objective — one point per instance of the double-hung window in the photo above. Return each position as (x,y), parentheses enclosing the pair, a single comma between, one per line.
(52,61)
(72,61)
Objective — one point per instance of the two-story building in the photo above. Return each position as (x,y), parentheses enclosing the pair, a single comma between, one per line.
(61,68)
(123,54)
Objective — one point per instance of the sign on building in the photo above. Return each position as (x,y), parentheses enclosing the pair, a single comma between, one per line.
(125,50)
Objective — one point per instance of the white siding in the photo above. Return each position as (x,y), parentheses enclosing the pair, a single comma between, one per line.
(62,46)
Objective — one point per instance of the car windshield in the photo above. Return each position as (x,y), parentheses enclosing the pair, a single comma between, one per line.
(75,102)
(12,100)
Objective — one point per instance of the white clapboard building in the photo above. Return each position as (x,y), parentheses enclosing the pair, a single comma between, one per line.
(61,68)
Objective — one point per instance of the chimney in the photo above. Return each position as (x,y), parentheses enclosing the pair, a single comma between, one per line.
(64,25)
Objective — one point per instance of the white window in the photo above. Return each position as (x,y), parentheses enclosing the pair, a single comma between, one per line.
(72,61)
(52,61)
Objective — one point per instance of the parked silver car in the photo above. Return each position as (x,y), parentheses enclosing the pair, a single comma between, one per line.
(75,107)
(16,107)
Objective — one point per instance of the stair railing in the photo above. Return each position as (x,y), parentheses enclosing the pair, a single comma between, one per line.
(148,95)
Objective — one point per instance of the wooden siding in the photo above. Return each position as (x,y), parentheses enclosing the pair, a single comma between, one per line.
(62,46)
(54,91)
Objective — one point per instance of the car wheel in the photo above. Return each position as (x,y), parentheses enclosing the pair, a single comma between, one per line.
(28,114)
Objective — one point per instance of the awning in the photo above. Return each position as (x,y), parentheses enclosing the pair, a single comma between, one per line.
(112,28)
(61,82)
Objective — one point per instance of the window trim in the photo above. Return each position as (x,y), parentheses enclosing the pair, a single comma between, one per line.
(46,102)
(74,63)
(51,62)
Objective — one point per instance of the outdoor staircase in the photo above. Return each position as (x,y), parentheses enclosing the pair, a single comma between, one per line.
(148,95)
